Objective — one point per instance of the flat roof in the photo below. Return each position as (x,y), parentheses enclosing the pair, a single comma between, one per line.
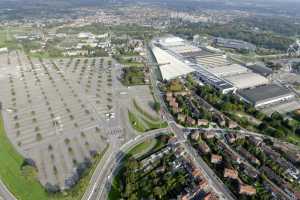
(227,70)
(260,69)
(264,93)
(195,53)
(171,66)
(247,80)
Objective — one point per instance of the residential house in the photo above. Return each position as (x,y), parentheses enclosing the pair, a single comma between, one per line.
(248,156)
(247,189)
(172,141)
(271,175)
(211,196)
(182,93)
(190,121)
(195,135)
(181,118)
(202,122)
(215,159)
(231,173)
(231,124)
(250,172)
(256,141)
(230,137)
(203,184)
(196,173)
(208,135)
(219,119)
(203,148)
(232,155)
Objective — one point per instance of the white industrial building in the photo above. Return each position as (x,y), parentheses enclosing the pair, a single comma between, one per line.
(175,58)
(212,60)
(170,66)
(247,80)
(227,70)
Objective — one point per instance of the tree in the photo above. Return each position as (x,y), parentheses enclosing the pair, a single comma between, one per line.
(156,106)
(39,137)
(157,192)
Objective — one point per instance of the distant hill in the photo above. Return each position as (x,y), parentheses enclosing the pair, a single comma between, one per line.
(265,7)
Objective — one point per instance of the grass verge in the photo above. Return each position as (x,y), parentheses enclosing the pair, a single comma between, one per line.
(142,111)
(143,147)
(155,125)
(136,123)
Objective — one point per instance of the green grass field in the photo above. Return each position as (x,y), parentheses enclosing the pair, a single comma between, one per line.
(136,123)
(142,111)
(142,147)
(28,187)
(129,62)
(142,121)
(155,125)
(294,139)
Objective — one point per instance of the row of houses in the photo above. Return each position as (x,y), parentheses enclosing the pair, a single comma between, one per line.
(183,118)
(201,190)
(230,173)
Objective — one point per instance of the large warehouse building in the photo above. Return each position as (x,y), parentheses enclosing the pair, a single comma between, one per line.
(247,80)
(177,57)
(170,66)
(265,95)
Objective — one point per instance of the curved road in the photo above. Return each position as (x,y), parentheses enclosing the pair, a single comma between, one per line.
(98,187)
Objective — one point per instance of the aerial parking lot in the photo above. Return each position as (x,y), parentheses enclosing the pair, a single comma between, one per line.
(55,112)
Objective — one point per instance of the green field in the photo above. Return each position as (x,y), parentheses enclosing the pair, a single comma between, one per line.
(142,111)
(27,187)
(294,139)
(154,125)
(128,61)
(143,147)
(136,123)
(146,120)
